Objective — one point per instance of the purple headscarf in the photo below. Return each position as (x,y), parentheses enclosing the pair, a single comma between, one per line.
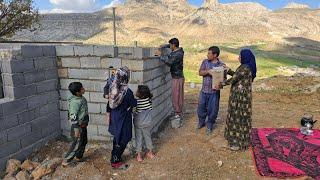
(248,58)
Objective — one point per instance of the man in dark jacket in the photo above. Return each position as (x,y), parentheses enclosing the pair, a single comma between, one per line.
(175,61)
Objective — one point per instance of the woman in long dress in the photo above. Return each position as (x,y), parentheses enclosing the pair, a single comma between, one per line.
(238,124)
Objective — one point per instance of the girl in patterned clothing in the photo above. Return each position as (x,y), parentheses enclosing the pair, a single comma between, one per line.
(142,122)
(238,124)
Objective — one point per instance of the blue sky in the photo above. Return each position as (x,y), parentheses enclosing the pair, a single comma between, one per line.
(92,5)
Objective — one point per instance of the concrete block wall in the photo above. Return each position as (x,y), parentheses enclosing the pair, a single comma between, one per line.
(29,111)
(89,65)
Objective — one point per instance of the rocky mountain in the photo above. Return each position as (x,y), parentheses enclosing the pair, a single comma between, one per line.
(151,21)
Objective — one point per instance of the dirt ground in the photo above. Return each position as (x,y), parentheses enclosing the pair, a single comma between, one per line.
(184,154)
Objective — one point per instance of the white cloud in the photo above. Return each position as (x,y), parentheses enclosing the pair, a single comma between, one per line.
(113,3)
(72,6)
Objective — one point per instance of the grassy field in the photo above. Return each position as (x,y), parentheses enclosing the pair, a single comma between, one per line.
(268,62)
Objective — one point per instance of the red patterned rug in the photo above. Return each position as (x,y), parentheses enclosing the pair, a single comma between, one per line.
(286,152)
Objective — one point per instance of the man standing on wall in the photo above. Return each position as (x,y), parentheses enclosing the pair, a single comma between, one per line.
(175,61)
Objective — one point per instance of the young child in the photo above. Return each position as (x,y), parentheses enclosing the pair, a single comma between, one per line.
(78,115)
(142,122)
(121,102)
(209,97)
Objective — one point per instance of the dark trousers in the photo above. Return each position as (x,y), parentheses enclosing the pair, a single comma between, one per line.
(117,152)
(208,107)
(78,145)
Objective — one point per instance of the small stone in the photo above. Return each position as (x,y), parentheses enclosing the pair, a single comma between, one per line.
(220,163)
(9,177)
(13,166)
(29,165)
(46,167)
(23,175)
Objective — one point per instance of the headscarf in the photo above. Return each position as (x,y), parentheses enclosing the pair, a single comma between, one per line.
(248,58)
(119,87)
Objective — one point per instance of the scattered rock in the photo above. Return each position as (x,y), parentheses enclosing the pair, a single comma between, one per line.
(46,167)
(29,165)
(13,166)
(23,175)
(220,163)
(9,177)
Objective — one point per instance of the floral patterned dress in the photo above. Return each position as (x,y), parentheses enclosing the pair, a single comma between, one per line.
(238,124)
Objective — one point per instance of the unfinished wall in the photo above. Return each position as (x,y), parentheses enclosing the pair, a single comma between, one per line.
(36,78)
(29,114)
(89,65)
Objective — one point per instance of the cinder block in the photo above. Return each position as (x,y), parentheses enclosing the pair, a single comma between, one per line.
(48,108)
(3,163)
(23,91)
(19,131)
(107,51)
(51,74)
(114,62)
(133,65)
(98,119)
(62,50)
(14,106)
(36,101)
(9,148)
(136,77)
(45,86)
(65,125)
(126,52)
(52,96)
(92,129)
(53,128)
(64,116)
(86,50)
(152,63)
(27,116)
(140,53)
(99,74)
(63,72)
(94,108)
(78,73)
(64,94)
(17,66)
(13,80)
(28,51)
(44,63)
(103,108)
(33,137)
(49,51)
(97,97)
(63,105)
(103,131)
(92,85)
(3,137)
(90,62)
(33,77)
(73,62)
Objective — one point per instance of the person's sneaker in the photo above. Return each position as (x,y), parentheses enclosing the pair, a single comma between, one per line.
(208,132)
(235,148)
(120,166)
(199,127)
